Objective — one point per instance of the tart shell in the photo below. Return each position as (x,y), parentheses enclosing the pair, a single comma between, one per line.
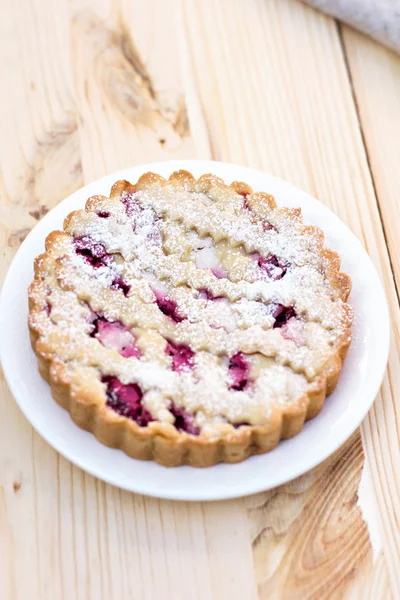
(162,442)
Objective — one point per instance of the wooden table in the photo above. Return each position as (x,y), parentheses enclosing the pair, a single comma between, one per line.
(91,86)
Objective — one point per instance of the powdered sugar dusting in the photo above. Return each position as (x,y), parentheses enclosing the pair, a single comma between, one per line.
(184,295)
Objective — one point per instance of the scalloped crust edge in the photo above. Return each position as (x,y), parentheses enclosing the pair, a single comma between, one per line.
(161,442)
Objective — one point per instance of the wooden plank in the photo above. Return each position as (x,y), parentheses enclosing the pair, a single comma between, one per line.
(292,112)
(308,538)
(107,542)
(375,76)
(112,135)
(40,163)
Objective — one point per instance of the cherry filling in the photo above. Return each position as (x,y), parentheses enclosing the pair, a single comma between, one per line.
(271,266)
(265,225)
(183,420)
(112,334)
(239,371)
(268,226)
(294,331)
(219,272)
(282,314)
(206,295)
(182,356)
(141,220)
(119,284)
(126,400)
(168,307)
(132,206)
(94,253)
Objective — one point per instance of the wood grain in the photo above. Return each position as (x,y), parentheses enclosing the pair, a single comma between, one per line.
(97,86)
(375,76)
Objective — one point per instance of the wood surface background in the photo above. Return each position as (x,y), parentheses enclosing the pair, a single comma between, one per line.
(91,86)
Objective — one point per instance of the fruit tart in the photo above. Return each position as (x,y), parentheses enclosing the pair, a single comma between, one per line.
(188,321)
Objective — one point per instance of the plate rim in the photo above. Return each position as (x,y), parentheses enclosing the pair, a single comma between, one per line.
(167,494)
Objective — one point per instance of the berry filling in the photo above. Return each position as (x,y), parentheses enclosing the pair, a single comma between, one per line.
(168,307)
(265,225)
(271,266)
(103,214)
(126,400)
(282,314)
(132,206)
(94,253)
(182,356)
(119,284)
(294,331)
(143,219)
(206,295)
(204,252)
(239,371)
(183,420)
(219,272)
(112,334)
(268,227)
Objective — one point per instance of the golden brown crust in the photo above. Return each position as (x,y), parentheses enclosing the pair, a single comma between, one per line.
(162,442)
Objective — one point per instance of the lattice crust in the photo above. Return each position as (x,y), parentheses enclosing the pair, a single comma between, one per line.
(189,321)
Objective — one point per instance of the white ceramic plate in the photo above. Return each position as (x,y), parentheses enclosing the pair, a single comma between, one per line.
(342,413)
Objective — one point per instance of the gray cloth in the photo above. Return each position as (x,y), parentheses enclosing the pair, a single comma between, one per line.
(378,18)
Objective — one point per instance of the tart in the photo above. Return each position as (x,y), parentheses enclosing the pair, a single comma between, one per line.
(188,321)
